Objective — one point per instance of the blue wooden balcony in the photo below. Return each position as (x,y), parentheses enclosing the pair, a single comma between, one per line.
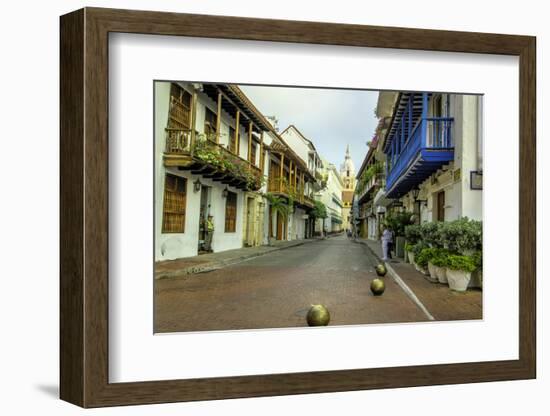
(417,145)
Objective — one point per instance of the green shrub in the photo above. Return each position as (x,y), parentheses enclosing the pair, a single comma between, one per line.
(398,221)
(440,257)
(478,259)
(457,262)
(462,236)
(409,246)
(413,233)
(417,248)
(427,255)
(431,234)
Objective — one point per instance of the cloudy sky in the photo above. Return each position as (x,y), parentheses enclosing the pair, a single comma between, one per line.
(331,119)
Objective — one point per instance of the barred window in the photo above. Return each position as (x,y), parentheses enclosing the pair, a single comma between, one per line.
(179,115)
(175,191)
(230,212)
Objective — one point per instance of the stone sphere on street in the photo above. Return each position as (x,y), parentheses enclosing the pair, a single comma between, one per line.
(318,315)
(377,287)
(381,269)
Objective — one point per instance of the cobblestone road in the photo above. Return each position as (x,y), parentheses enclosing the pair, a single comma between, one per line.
(276,290)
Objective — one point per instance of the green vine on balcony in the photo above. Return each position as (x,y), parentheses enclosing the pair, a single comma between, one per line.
(213,155)
(367,175)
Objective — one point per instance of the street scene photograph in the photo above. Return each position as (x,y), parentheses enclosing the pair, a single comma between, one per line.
(281,207)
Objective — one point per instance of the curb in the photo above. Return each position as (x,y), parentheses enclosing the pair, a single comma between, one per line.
(408,291)
(209,267)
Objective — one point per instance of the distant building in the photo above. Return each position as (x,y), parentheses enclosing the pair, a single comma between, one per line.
(347,174)
(331,197)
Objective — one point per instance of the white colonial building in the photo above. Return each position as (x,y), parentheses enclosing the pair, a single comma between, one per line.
(434,155)
(331,197)
(430,145)
(209,160)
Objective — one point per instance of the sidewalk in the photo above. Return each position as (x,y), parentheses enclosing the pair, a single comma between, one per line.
(442,303)
(213,261)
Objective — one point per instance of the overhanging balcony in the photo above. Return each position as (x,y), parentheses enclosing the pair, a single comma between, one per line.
(207,158)
(366,191)
(280,187)
(415,153)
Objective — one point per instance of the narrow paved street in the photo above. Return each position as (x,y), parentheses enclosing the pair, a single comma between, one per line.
(277,289)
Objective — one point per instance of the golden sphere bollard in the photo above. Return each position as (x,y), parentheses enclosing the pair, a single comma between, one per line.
(381,270)
(318,315)
(377,287)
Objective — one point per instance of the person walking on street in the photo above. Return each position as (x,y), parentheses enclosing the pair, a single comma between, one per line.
(387,241)
(209,234)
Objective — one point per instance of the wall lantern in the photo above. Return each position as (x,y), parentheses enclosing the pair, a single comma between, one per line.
(415,193)
(197,185)
(225,192)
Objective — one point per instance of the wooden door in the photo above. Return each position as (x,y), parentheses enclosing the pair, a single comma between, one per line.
(280,226)
(249,221)
(441,206)
(270,222)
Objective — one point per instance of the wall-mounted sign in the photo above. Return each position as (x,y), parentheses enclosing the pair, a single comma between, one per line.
(476,180)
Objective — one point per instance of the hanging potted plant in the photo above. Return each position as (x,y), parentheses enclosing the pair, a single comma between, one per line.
(459,271)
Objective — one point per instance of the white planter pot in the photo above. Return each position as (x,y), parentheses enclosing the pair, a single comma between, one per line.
(431,270)
(441,274)
(477,279)
(411,257)
(458,279)
(432,273)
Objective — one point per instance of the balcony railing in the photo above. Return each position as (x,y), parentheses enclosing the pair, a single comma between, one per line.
(429,145)
(376,181)
(178,141)
(210,159)
(277,185)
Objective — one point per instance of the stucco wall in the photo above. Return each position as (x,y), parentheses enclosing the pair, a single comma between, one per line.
(454,178)
(298,145)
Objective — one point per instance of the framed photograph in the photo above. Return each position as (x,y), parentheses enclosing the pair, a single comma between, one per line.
(255,207)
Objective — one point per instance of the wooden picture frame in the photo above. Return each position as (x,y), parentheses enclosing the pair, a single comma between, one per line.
(84,207)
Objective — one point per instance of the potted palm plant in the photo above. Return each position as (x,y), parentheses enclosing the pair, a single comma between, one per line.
(278,206)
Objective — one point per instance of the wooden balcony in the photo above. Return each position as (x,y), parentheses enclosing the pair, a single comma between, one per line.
(368,190)
(417,145)
(280,187)
(207,158)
